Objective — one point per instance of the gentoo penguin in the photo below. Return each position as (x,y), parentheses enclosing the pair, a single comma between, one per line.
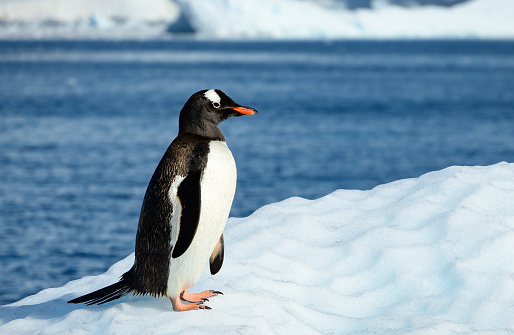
(185,209)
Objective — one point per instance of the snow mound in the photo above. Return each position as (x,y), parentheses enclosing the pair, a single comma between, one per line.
(430,255)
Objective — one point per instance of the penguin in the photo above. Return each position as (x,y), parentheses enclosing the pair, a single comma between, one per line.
(184,210)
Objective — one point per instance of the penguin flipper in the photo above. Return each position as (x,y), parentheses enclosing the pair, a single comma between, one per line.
(190,197)
(216,259)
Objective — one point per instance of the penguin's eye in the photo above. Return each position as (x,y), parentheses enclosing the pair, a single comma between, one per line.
(216,104)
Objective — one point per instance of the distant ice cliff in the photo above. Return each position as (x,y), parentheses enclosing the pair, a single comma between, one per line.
(258,19)
(305,19)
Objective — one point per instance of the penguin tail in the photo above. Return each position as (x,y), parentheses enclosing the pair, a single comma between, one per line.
(108,293)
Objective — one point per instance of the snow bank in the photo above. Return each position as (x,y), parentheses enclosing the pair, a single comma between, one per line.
(430,255)
(282,19)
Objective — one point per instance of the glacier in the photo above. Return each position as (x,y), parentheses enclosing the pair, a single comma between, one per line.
(251,19)
(426,255)
(48,19)
(294,19)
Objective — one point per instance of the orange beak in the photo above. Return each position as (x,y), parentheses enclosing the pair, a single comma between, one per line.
(245,110)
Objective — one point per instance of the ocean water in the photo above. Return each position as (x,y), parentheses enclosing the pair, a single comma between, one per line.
(83,125)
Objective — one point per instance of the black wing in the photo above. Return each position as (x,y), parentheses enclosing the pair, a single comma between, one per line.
(189,194)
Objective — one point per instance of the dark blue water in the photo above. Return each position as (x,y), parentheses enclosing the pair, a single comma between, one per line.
(84,124)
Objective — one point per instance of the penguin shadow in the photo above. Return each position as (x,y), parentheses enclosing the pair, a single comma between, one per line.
(58,308)
(136,302)
(44,311)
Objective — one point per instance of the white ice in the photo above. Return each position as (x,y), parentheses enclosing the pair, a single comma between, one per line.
(257,19)
(85,18)
(306,19)
(428,255)
(71,10)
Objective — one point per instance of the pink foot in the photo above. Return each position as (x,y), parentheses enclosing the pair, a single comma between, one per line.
(178,306)
(198,297)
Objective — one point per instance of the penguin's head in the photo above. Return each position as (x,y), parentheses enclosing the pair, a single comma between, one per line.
(206,109)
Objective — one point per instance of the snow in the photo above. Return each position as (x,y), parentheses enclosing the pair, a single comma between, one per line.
(428,255)
(258,19)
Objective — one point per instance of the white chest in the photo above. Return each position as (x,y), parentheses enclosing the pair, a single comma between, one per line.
(218,185)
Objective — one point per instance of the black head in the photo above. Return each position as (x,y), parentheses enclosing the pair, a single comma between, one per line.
(206,109)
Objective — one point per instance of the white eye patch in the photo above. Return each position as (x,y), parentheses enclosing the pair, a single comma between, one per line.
(213,96)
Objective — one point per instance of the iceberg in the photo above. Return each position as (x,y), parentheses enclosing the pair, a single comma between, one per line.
(71,10)
(85,18)
(305,19)
(427,255)
(256,19)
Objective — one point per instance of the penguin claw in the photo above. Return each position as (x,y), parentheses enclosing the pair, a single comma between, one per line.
(178,306)
(202,306)
(198,297)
